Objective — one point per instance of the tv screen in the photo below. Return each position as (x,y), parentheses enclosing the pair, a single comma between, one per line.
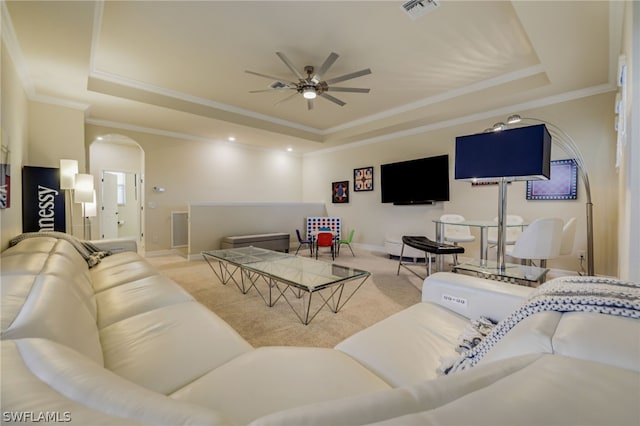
(420,181)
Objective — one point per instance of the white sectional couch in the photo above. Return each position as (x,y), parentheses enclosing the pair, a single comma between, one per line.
(122,344)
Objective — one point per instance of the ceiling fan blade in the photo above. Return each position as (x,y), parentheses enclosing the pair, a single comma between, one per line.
(272,90)
(349,76)
(286,99)
(290,65)
(348,89)
(332,99)
(271,77)
(309,104)
(325,66)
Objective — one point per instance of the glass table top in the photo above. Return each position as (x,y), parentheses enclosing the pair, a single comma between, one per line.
(302,272)
(480,223)
(244,255)
(512,270)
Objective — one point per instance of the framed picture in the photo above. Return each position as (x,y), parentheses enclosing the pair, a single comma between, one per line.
(340,192)
(562,183)
(5,174)
(5,186)
(363,179)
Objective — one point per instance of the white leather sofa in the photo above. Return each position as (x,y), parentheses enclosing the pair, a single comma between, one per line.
(122,344)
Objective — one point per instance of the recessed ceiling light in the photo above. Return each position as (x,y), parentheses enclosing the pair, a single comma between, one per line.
(289,149)
(231,138)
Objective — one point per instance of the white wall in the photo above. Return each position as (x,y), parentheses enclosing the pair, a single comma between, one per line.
(210,222)
(629,173)
(57,132)
(588,120)
(14,125)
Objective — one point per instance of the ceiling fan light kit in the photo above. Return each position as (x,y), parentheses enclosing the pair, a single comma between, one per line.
(312,85)
(309,93)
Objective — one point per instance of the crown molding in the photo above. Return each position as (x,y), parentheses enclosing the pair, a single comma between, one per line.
(177,135)
(503,111)
(15,52)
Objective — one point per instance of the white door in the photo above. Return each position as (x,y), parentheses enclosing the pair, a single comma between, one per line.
(109,214)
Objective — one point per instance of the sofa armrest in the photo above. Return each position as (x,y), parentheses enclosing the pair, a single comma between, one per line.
(116,245)
(473,297)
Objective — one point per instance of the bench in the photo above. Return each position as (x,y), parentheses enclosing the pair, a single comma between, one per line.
(429,247)
(393,247)
(278,241)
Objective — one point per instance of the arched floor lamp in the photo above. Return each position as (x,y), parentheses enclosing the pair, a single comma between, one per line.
(568,145)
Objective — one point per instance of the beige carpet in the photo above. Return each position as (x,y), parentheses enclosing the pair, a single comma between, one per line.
(383,294)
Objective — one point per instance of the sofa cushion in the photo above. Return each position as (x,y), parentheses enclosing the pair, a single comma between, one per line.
(55,379)
(166,348)
(583,335)
(608,339)
(126,267)
(117,260)
(136,297)
(50,256)
(53,311)
(270,379)
(531,335)
(407,347)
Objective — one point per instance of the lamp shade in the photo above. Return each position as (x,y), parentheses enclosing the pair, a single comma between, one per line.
(68,171)
(84,188)
(90,209)
(522,153)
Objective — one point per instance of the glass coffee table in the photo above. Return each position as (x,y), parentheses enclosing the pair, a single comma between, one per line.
(293,278)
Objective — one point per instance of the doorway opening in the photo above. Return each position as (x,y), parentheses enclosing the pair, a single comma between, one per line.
(118,162)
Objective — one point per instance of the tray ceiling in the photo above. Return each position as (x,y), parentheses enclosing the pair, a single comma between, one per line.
(178,66)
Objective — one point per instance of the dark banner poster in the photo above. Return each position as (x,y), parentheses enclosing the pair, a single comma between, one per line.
(42,200)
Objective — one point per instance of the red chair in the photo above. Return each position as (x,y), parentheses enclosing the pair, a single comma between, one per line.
(325,239)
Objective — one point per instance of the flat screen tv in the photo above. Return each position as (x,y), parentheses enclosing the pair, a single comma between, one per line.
(420,181)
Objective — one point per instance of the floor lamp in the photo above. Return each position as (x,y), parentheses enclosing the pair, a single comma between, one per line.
(84,193)
(568,145)
(88,210)
(522,153)
(68,172)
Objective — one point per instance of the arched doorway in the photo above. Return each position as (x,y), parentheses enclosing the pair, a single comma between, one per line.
(117,162)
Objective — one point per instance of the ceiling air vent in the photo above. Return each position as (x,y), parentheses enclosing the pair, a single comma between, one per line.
(278,85)
(417,8)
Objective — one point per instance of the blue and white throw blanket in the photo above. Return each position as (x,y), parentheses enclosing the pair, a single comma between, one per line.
(566,294)
(89,252)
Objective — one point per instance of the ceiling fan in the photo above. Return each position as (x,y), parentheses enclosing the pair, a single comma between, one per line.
(312,85)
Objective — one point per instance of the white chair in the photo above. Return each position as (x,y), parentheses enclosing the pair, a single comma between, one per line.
(513,232)
(568,237)
(456,233)
(540,240)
